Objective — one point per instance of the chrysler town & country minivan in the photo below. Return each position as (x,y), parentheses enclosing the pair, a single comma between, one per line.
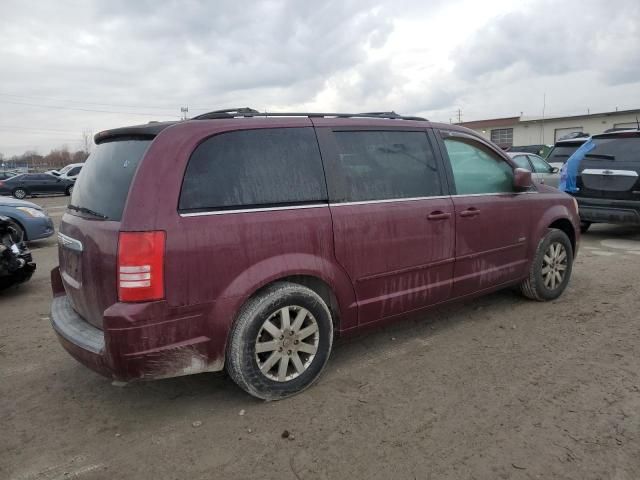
(247,242)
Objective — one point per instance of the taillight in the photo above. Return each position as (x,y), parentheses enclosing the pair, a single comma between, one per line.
(141,266)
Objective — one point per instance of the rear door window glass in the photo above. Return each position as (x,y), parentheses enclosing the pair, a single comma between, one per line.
(254,168)
(382,165)
(106,177)
(477,171)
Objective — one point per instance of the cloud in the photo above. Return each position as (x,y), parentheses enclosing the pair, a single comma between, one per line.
(120,62)
(556,38)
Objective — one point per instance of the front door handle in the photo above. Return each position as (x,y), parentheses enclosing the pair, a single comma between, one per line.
(470,212)
(438,215)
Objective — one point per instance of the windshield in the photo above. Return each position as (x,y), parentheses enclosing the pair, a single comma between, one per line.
(103,184)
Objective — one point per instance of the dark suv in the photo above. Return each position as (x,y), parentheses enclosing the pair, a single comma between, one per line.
(609,180)
(247,241)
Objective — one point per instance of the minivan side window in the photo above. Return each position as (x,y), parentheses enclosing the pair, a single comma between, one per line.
(475,170)
(382,165)
(254,168)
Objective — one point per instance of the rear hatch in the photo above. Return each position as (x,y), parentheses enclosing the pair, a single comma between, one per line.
(612,169)
(88,240)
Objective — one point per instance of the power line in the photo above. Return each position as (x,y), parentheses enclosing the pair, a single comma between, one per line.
(168,107)
(35,129)
(57,107)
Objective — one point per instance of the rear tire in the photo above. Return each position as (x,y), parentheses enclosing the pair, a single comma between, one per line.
(19,193)
(550,270)
(280,342)
(584,226)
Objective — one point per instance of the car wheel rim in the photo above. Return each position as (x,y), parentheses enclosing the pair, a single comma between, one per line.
(287,343)
(554,265)
(20,193)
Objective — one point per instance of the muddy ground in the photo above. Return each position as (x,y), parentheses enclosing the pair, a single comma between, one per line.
(497,388)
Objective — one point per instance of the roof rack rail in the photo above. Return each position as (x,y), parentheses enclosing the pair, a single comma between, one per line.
(250,112)
(228,113)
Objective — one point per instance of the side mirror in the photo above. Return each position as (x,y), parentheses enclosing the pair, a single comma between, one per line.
(522,179)
(555,169)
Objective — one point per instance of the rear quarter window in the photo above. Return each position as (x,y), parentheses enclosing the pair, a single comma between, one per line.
(254,168)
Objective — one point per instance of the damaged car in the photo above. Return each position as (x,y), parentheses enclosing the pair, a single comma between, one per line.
(16,263)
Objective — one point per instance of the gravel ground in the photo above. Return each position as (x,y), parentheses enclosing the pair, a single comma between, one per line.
(497,388)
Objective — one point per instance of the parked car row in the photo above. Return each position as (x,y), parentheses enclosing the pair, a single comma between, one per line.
(27,184)
(608,177)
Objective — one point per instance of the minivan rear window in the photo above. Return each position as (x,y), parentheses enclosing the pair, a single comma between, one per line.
(254,168)
(103,184)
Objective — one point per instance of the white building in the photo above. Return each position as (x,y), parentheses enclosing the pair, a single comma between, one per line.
(521,131)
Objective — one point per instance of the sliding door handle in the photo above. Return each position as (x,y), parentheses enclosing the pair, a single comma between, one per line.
(438,215)
(470,212)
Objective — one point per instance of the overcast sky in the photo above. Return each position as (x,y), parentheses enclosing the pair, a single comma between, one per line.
(70,66)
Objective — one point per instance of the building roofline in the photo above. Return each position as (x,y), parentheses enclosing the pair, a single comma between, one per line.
(491,122)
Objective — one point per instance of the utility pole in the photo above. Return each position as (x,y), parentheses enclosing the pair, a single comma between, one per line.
(184,111)
(459,116)
(544,106)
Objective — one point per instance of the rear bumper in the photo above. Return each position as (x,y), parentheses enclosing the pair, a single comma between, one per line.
(609,211)
(139,341)
(84,342)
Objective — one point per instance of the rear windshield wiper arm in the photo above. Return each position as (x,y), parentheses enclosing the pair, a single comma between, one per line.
(604,156)
(87,211)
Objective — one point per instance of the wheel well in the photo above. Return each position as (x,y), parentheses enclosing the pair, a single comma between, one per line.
(25,237)
(317,285)
(566,226)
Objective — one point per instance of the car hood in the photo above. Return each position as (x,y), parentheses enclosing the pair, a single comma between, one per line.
(14,202)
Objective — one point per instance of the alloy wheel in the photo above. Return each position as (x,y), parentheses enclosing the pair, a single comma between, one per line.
(554,265)
(287,343)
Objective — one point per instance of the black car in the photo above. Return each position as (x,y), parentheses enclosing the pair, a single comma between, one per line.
(563,149)
(35,184)
(609,180)
(5,175)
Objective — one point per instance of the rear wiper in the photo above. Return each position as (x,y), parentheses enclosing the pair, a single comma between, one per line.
(87,211)
(604,156)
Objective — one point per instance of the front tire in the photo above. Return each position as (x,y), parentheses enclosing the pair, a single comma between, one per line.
(551,268)
(19,193)
(280,342)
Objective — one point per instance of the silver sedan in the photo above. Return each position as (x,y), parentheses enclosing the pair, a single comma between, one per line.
(542,171)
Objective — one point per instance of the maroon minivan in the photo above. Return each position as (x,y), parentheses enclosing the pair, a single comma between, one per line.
(246,241)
